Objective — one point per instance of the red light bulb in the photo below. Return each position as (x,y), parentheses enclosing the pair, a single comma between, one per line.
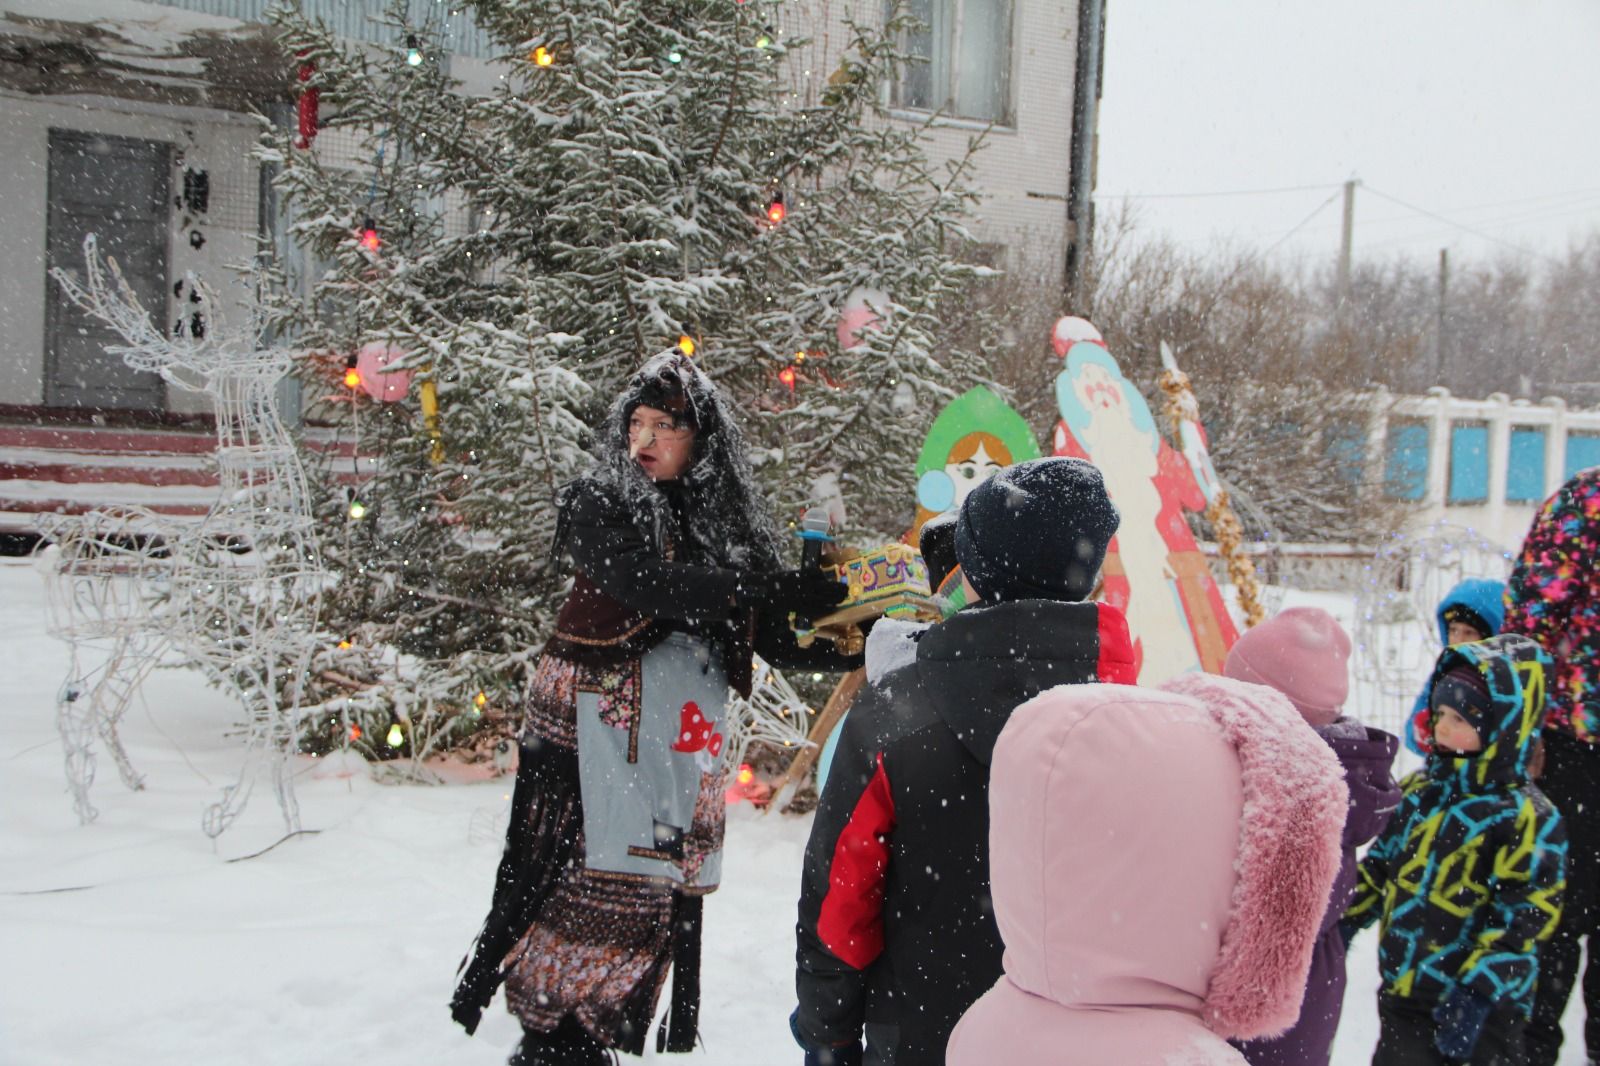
(369,236)
(787,376)
(776,212)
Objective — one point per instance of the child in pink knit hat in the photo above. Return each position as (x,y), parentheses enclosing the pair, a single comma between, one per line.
(1304,653)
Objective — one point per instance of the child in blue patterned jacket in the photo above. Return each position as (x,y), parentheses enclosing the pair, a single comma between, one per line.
(1467,877)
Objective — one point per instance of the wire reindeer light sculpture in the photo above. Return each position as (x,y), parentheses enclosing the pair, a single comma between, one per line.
(236,594)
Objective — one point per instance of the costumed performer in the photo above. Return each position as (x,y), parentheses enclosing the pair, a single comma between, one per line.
(617,815)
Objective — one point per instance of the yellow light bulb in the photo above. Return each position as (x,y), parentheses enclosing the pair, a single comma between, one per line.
(358,510)
(542,56)
(481,699)
(686,344)
(396,736)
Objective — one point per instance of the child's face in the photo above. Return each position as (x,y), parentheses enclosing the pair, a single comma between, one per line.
(1451,732)
(1462,633)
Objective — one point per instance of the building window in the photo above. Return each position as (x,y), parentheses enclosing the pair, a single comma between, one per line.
(1405,467)
(1583,451)
(1525,466)
(965,48)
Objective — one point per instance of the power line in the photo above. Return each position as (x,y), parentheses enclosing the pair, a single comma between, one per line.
(1301,224)
(1227,192)
(1458,225)
(1591,209)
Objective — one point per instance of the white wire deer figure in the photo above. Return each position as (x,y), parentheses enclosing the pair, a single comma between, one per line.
(236,594)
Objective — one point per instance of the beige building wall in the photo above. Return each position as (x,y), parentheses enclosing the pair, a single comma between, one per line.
(1023,171)
(218,142)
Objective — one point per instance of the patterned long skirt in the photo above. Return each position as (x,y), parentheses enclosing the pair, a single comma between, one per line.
(600,946)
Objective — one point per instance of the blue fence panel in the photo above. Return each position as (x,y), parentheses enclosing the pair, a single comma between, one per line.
(1583,451)
(1405,467)
(1469,463)
(1525,466)
(1345,446)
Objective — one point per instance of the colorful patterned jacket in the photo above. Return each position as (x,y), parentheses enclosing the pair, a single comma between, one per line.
(1554,597)
(1468,876)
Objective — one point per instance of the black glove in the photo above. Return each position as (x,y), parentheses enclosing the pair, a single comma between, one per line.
(1460,1020)
(805,592)
(845,1055)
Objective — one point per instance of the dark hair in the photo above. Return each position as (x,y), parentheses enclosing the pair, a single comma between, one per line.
(728,518)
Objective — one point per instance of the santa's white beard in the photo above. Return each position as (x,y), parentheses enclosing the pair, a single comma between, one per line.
(1155,609)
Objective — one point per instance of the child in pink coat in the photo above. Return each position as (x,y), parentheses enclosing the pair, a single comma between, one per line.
(1160,864)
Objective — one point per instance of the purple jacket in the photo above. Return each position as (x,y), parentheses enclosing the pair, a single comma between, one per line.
(1367,755)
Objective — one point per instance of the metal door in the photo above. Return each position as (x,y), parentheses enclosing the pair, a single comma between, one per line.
(117,189)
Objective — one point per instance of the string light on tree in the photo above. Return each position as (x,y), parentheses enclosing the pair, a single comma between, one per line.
(358,510)
(542,56)
(413,51)
(352,376)
(369,235)
(686,345)
(776,210)
(674,56)
(397,736)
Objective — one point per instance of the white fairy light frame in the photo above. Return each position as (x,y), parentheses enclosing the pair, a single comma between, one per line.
(236,594)
(1396,630)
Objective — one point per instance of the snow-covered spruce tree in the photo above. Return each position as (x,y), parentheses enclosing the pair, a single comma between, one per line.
(527,248)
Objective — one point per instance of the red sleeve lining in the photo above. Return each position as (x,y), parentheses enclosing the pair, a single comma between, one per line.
(851,921)
(1117,664)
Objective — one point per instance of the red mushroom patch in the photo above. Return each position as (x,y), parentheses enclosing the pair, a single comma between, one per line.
(696,732)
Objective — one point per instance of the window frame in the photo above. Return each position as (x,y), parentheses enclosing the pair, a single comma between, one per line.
(946,113)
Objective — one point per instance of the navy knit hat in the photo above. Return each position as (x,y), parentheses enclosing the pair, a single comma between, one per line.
(1463,689)
(1037,530)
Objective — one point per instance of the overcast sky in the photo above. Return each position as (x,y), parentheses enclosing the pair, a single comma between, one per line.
(1485,113)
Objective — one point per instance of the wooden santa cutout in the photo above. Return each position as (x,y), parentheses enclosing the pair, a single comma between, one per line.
(1154,571)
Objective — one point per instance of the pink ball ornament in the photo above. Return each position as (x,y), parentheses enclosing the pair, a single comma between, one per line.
(861,313)
(1070,330)
(382,384)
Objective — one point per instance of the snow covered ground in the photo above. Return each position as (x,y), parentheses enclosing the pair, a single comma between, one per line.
(136,940)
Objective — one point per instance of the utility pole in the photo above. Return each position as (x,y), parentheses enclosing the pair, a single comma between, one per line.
(1086,87)
(1444,284)
(1347,240)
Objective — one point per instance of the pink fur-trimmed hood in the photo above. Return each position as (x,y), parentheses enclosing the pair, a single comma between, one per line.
(1294,809)
(1160,863)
